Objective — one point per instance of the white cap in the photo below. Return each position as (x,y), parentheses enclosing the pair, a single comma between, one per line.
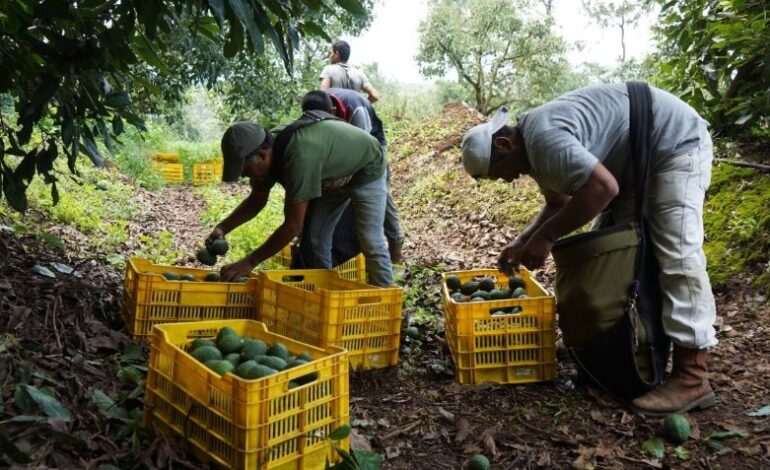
(477,144)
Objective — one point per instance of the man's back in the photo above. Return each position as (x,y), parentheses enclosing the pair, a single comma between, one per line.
(342,75)
(357,105)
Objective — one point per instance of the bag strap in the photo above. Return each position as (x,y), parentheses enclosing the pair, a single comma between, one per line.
(640,130)
(283,138)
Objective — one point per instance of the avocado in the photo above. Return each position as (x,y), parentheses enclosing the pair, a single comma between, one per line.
(477,462)
(253,348)
(206,353)
(413,332)
(478,299)
(273,362)
(497,294)
(245,369)
(221,367)
(230,343)
(219,247)
(206,257)
(469,287)
(171,276)
(233,358)
(458,297)
(487,284)
(677,428)
(516,281)
(482,294)
(305,356)
(212,277)
(226,331)
(199,343)
(263,371)
(453,282)
(518,292)
(278,350)
(295,362)
(187,277)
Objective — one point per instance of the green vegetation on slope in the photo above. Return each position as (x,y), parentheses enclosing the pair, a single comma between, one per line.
(737,224)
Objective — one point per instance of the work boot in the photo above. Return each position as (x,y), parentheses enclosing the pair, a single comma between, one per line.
(687,387)
(394,247)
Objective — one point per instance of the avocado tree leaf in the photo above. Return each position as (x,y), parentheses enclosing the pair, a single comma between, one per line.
(353,6)
(654,447)
(367,460)
(50,405)
(117,99)
(145,50)
(764,411)
(14,190)
(43,271)
(89,146)
(105,133)
(245,14)
(107,405)
(25,171)
(218,10)
(9,448)
(340,433)
(731,434)
(312,29)
(117,125)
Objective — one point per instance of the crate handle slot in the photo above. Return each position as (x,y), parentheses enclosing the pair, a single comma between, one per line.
(369,300)
(293,278)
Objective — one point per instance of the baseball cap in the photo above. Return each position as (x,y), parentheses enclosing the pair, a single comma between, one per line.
(239,140)
(477,144)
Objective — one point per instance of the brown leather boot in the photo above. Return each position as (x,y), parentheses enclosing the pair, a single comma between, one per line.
(394,247)
(687,387)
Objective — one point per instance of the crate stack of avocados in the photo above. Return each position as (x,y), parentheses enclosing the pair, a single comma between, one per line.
(499,329)
(254,373)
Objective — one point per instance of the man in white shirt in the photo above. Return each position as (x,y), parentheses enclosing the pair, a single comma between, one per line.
(341,75)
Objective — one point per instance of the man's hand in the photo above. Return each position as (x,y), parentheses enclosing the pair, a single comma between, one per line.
(215,234)
(510,259)
(231,272)
(536,251)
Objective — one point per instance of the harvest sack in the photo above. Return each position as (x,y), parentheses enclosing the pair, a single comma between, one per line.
(607,292)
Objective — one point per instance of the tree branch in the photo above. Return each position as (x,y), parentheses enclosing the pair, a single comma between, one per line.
(757,166)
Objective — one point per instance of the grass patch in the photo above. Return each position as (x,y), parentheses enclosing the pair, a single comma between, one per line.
(244,239)
(102,214)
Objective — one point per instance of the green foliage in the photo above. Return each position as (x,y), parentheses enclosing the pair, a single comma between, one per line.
(501,53)
(69,67)
(159,248)
(714,56)
(250,235)
(737,224)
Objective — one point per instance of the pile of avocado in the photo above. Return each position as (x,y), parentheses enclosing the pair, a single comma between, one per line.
(248,358)
(483,289)
(210,277)
(208,256)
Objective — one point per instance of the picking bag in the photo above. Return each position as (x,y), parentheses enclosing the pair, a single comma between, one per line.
(607,293)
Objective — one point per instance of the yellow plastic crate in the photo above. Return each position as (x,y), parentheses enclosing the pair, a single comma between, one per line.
(246,424)
(150,299)
(318,307)
(353,269)
(166,157)
(171,172)
(513,348)
(207,172)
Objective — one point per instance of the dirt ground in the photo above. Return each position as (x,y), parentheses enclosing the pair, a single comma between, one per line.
(64,334)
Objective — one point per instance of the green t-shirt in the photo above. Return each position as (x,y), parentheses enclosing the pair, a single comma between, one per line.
(325,156)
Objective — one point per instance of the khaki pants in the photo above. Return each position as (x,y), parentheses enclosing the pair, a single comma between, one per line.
(677,188)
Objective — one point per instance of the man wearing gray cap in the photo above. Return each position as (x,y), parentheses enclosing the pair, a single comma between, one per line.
(329,161)
(577,149)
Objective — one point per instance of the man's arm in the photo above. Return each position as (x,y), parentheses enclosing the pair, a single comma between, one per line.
(588,201)
(371,92)
(509,257)
(325,83)
(293,216)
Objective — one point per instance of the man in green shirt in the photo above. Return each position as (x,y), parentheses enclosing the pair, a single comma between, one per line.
(328,160)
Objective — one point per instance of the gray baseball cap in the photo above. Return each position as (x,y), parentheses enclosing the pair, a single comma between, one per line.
(239,140)
(477,144)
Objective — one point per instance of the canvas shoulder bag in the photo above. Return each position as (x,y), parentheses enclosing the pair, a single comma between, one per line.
(607,292)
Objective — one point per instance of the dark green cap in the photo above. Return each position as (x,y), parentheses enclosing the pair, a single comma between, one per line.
(240,140)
